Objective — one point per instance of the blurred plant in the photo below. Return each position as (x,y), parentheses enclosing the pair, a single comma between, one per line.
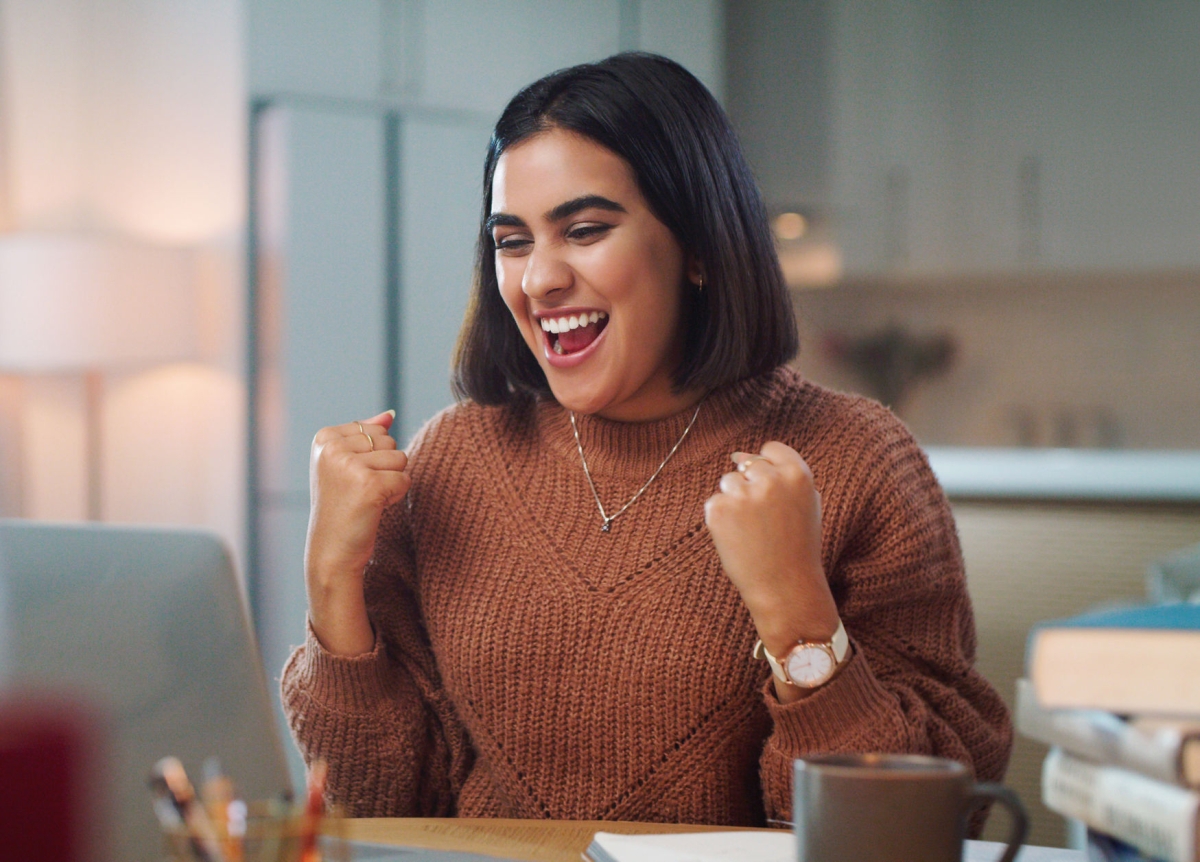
(892,360)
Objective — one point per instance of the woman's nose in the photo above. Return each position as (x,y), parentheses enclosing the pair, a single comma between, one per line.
(545,274)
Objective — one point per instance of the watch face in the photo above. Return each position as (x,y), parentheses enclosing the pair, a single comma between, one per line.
(809,664)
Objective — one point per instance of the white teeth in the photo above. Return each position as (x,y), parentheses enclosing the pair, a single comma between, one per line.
(563,324)
(558,348)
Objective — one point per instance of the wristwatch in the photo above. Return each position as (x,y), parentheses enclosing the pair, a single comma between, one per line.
(808,664)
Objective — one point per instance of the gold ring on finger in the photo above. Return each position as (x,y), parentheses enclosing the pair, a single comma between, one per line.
(360,428)
(745,465)
(370,440)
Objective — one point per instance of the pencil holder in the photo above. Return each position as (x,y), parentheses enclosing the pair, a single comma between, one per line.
(271,832)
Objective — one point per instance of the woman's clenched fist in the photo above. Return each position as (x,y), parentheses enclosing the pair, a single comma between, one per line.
(355,472)
(765,521)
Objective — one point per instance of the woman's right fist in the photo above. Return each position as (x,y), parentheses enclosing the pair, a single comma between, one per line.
(355,472)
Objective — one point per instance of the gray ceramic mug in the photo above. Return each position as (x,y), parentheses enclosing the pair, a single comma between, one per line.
(891,808)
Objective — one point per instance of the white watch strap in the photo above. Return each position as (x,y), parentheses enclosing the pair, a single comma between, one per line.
(840,643)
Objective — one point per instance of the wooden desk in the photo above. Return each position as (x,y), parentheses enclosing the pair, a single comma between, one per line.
(562,840)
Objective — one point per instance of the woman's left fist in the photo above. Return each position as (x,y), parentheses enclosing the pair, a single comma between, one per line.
(765,521)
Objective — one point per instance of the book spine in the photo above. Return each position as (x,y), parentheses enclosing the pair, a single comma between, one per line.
(1182,734)
(1105,848)
(1118,669)
(1100,736)
(1157,818)
(1189,760)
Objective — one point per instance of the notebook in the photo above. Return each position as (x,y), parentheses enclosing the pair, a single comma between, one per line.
(149,626)
(775,846)
(772,846)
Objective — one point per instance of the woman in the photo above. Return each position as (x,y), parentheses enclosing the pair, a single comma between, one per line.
(550,606)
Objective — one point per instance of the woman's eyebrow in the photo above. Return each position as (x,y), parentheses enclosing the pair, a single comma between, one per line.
(569,208)
(502,219)
(564,210)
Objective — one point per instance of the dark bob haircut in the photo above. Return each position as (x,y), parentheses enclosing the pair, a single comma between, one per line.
(688,165)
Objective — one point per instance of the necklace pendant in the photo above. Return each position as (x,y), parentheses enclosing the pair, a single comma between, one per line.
(608,519)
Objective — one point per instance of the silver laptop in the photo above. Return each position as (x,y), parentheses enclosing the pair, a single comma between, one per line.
(149,627)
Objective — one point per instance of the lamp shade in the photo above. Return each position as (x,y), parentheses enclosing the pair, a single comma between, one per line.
(71,301)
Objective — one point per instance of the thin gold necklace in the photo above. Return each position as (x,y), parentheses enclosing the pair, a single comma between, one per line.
(606,526)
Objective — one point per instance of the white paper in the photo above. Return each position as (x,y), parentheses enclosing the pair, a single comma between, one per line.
(990,851)
(777,846)
(774,847)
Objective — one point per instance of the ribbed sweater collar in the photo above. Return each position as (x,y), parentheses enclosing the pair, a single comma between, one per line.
(633,450)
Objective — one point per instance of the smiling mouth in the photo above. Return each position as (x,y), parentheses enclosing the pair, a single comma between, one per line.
(571,333)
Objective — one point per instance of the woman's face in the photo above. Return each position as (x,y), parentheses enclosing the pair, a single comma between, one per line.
(593,279)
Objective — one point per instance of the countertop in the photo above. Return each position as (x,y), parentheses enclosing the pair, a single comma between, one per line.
(1068,474)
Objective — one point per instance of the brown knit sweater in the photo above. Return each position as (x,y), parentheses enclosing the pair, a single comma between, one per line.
(529,665)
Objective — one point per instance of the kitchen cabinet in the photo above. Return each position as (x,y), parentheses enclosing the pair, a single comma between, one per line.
(941,139)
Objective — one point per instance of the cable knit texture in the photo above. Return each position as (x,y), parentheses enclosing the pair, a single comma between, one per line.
(529,665)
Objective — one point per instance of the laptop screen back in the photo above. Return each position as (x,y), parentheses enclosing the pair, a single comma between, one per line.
(149,627)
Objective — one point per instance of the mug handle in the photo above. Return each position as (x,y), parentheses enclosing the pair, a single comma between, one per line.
(985,792)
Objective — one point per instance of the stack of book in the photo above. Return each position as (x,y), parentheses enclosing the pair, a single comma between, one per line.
(1116,694)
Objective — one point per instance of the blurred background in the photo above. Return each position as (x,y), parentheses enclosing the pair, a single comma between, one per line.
(227,223)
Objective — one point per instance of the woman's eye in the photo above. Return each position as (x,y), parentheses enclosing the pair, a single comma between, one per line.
(585,232)
(513,242)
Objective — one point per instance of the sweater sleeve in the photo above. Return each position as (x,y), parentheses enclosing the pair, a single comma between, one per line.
(382,721)
(892,556)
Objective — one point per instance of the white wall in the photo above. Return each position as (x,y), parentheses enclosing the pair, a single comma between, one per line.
(127,118)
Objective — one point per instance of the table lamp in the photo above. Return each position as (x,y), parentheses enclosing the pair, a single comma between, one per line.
(80,303)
